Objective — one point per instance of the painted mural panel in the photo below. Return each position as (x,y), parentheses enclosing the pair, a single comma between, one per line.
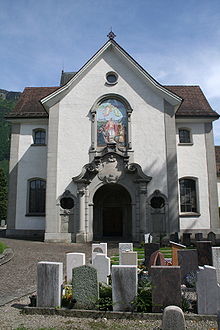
(111,123)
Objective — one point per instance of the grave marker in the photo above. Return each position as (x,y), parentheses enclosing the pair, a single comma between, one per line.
(102,264)
(204,249)
(188,262)
(149,248)
(129,258)
(216,261)
(123,247)
(73,260)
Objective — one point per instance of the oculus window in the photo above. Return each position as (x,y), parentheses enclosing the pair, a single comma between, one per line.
(184,136)
(39,136)
(111,78)
(37,196)
(112,123)
(188,196)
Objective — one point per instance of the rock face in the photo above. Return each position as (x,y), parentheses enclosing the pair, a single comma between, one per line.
(9,95)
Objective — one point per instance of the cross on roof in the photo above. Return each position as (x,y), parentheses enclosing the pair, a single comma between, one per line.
(111,35)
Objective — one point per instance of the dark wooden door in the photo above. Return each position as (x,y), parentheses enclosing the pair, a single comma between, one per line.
(112,221)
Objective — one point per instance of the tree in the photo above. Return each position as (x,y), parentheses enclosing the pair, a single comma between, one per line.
(3,195)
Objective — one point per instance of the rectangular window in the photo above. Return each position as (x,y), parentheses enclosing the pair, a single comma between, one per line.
(188,195)
(37,194)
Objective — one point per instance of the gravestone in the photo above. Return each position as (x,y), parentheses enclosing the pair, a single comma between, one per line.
(173,319)
(204,249)
(188,262)
(124,287)
(208,291)
(166,287)
(102,264)
(175,247)
(216,261)
(73,260)
(198,236)
(85,287)
(147,238)
(49,284)
(156,259)
(123,247)
(187,239)
(174,237)
(149,248)
(211,237)
(99,248)
(129,258)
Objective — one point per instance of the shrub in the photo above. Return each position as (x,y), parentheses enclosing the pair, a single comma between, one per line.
(143,300)
(104,302)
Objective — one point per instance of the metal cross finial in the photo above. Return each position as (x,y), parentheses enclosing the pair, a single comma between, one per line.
(111,35)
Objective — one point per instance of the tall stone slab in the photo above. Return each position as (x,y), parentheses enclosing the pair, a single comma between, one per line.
(49,283)
(186,240)
(124,287)
(99,248)
(211,237)
(166,287)
(208,291)
(188,262)
(173,319)
(204,249)
(175,247)
(123,247)
(85,287)
(73,260)
(216,261)
(149,248)
(129,258)
(102,264)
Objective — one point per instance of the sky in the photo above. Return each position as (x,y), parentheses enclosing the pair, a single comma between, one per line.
(176,41)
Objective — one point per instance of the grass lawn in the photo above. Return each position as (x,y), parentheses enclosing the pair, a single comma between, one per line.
(2,247)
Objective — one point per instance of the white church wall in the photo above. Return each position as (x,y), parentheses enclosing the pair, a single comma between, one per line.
(192,163)
(218,186)
(31,164)
(147,121)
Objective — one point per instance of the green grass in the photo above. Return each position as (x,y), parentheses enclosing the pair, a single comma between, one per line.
(2,247)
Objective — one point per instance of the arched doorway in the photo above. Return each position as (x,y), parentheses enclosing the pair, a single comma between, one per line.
(112,213)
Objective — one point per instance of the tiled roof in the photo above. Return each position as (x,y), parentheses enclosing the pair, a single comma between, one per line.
(217,157)
(29,105)
(194,102)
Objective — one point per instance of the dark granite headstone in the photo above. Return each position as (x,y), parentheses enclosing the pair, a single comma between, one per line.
(204,249)
(198,237)
(211,237)
(174,237)
(166,287)
(149,248)
(186,239)
(188,262)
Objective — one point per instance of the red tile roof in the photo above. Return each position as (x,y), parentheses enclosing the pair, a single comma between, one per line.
(194,102)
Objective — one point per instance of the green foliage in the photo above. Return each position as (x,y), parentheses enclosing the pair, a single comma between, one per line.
(143,301)
(2,247)
(5,107)
(3,195)
(104,302)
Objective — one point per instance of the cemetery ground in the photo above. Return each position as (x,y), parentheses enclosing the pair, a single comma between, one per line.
(18,281)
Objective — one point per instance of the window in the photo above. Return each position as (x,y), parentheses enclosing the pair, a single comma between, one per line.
(111,123)
(184,136)
(37,196)
(39,136)
(188,198)
(111,78)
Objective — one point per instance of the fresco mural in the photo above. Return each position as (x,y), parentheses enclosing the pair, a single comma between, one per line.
(111,123)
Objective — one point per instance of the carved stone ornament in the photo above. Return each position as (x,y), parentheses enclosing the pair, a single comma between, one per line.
(111,169)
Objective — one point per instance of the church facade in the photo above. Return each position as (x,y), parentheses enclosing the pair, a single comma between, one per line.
(111,154)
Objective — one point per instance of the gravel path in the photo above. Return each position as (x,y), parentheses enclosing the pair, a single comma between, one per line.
(18,276)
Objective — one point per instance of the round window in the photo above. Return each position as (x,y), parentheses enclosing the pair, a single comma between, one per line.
(111,78)
(67,203)
(157,202)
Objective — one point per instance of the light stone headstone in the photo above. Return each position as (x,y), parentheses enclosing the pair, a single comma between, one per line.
(124,287)
(85,287)
(73,260)
(102,264)
(123,247)
(216,261)
(99,248)
(49,283)
(147,238)
(129,258)
(166,287)
(173,318)
(208,291)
